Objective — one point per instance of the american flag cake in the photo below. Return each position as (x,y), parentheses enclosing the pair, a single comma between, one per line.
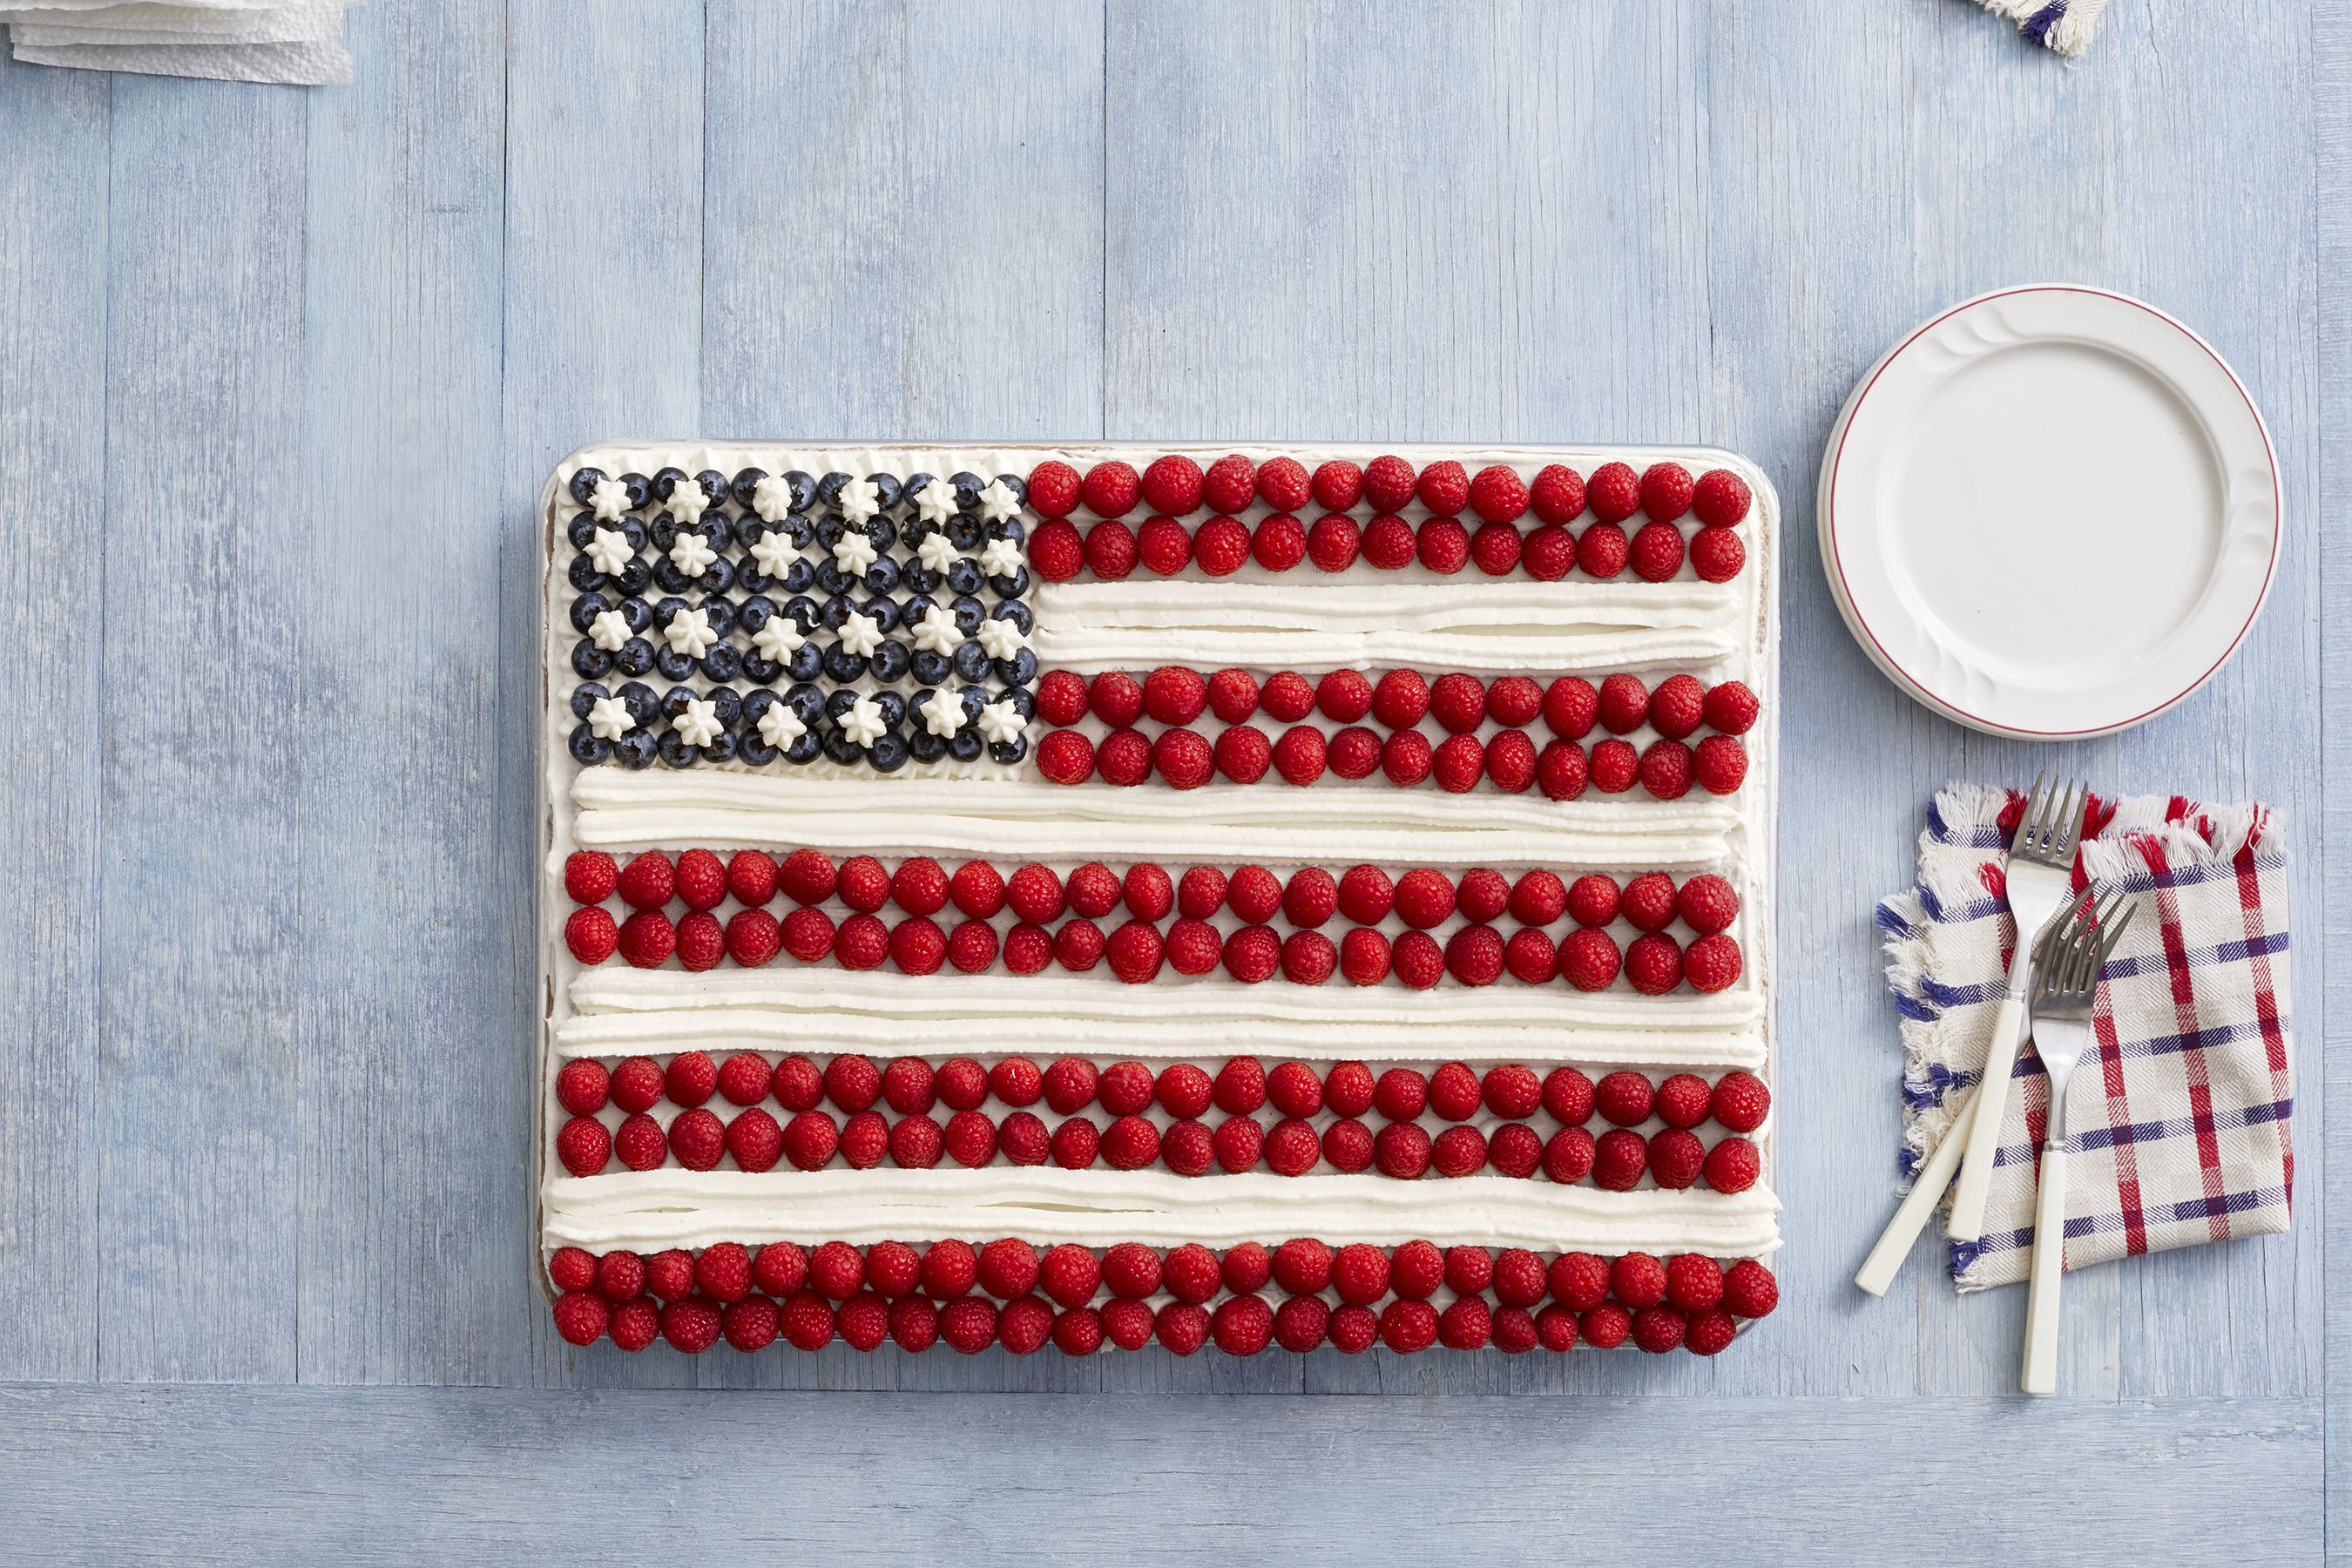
(1096,897)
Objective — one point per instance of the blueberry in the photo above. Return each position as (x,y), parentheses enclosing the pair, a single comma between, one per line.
(721,614)
(636,656)
(916,530)
(800,577)
(589,747)
(834,614)
(803,489)
(633,529)
(671,579)
(807,703)
(974,699)
(828,489)
(920,578)
(843,666)
(583,573)
(643,706)
(584,483)
(891,661)
(806,663)
(965,533)
(963,577)
(586,695)
(1018,671)
(908,492)
(886,490)
(721,748)
(580,530)
(586,608)
(743,484)
(1005,587)
(720,576)
(748,529)
(753,747)
(831,579)
(926,746)
(797,529)
(929,667)
(804,749)
(1009,529)
(968,613)
(714,485)
(662,532)
(882,533)
(673,701)
(1008,752)
(889,754)
(724,662)
(753,613)
(883,613)
(635,750)
(1020,615)
(765,671)
(673,664)
(666,481)
(725,705)
(640,490)
(912,609)
(971,661)
(635,578)
(1017,485)
(751,579)
(965,745)
(882,577)
(673,750)
(892,707)
(1023,704)
(756,705)
(967,487)
(839,703)
(591,663)
(802,611)
(668,609)
(842,750)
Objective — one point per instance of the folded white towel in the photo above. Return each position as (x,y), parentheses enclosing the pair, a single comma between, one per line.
(290,41)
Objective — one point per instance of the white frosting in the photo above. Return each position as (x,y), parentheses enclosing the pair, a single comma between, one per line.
(778,638)
(688,502)
(1000,724)
(772,497)
(934,553)
(861,634)
(942,715)
(608,551)
(1001,558)
(690,553)
(863,723)
(698,725)
(689,632)
(854,553)
(998,504)
(858,500)
(779,726)
(935,630)
(609,631)
(608,716)
(773,552)
(608,500)
(1001,639)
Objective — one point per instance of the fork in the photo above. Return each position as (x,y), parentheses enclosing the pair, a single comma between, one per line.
(2072,950)
(2040,881)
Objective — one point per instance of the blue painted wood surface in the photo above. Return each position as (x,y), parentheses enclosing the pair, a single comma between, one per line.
(281,373)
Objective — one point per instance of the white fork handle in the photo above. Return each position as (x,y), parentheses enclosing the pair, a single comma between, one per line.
(1993,1103)
(2041,1284)
(1878,1269)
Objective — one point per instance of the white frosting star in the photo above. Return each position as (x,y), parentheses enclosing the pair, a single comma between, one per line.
(1001,722)
(608,716)
(861,634)
(1001,639)
(609,499)
(936,502)
(1001,559)
(774,553)
(689,632)
(942,715)
(608,551)
(690,553)
(934,553)
(779,726)
(858,499)
(772,497)
(778,639)
(688,502)
(853,554)
(698,725)
(609,631)
(863,723)
(935,631)
(998,504)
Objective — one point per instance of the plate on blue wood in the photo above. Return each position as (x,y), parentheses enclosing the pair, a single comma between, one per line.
(2050,512)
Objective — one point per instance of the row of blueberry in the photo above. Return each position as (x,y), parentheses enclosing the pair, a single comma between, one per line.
(800,725)
(888,639)
(961,554)
(793,491)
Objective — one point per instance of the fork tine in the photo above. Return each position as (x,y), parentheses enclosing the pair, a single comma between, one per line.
(2024,838)
(2070,822)
(2114,934)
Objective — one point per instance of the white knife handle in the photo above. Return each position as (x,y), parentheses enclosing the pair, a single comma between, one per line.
(1984,1137)
(1879,1268)
(2041,1284)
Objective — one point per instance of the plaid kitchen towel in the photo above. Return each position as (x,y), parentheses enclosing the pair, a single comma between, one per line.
(2063,25)
(2191,1023)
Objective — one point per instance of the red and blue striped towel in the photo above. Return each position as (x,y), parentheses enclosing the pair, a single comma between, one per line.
(2192,1024)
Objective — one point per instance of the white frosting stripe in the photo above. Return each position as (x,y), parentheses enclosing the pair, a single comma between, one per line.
(1016,820)
(648,1211)
(1064,646)
(822,1031)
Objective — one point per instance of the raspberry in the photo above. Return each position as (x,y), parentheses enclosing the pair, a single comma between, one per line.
(1287,696)
(1666,491)
(1016,1081)
(1282,484)
(647,939)
(1416,1269)
(692,1325)
(1389,483)
(807,876)
(1720,763)
(1116,698)
(1424,898)
(1569,707)
(1334,542)
(1495,549)
(1243,1325)
(1749,1291)
(1417,960)
(582,1088)
(1732,708)
(1733,1165)
(1717,554)
(1182,1328)
(723,1271)
(700,942)
(1654,963)
(1624,1098)
(1055,553)
(1408,1326)
(1353,753)
(1008,1268)
(914,1324)
(1070,1274)
(1569,1096)
(1558,494)
(920,887)
(1531,957)
(810,1139)
(1242,753)
(1111,551)
(572,1268)
(1682,1101)
(1693,1282)
(1484,893)
(1401,1151)
(753,937)
(950,1268)
(1401,698)
(1707,903)
(1389,543)
(1458,702)
(865,886)
(1591,900)
(972,947)
(1618,1158)
(1649,901)
(1129,1143)
(1458,1152)
(1474,955)
(1172,485)
(1604,1327)
(1024,1326)
(1443,544)
(591,935)
(1078,945)
(865,1140)
(637,1084)
(701,880)
(969,1325)
(1657,551)
(1065,757)
(1614,493)
(1110,489)
(1465,1325)
(1710,1332)
(1677,706)
(1253,954)
(969,1139)
(1402,1094)
(1659,1328)
(589,877)
(1344,695)
(690,1078)
(1588,959)
(780,1269)
(1677,1158)
(1221,545)
(1443,488)
(1035,894)
(1549,554)
(1174,695)
(1497,494)
(1231,483)
(1602,552)
(1233,695)
(1124,758)
(1300,1323)
(1246,1268)
(1561,769)
(1511,762)
(1740,1102)
(1054,490)
(1459,764)
(1163,546)
(864,1321)
(1187,1149)
(1135,951)
(1182,759)
(1578,1281)
(852,1081)
(1365,895)
(1191,1273)
(1300,754)
(647,881)
(1338,485)
(698,1138)
(1719,498)
(1638,1280)
(1712,962)
(620,1276)
(1068,1085)
(1511,1091)
(960,1083)
(1183,1091)
(1364,957)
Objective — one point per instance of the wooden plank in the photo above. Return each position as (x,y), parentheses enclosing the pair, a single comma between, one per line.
(411,1261)
(603,332)
(53,185)
(210,509)
(202,1475)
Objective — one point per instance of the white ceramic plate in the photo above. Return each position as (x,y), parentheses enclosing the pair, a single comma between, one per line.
(2050,512)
